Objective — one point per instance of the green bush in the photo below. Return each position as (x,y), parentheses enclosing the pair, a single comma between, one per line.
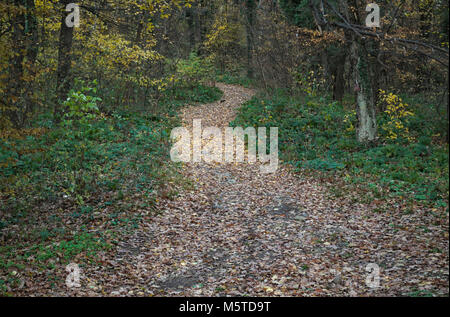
(80,105)
(194,71)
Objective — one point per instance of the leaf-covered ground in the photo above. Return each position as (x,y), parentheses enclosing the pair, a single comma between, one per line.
(240,232)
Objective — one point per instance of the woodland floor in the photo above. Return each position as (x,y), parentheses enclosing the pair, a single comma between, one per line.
(240,232)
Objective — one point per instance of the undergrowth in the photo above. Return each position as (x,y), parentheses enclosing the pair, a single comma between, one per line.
(69,189)
(317,135)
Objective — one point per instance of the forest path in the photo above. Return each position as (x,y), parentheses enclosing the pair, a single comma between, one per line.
(241,232)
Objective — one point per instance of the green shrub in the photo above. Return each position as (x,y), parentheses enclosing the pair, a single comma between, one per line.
(194,71)
(81,105)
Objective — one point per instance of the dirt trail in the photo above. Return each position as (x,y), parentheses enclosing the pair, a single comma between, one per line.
(241,232)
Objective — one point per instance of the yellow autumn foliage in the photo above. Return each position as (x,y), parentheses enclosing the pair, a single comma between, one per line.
(398,115)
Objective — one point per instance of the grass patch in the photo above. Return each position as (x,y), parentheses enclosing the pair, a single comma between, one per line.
(317,134)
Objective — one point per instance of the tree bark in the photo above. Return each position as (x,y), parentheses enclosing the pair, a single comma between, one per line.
(365,98)
(25,48)
(64,59)
(363,77)
(250,13)
(191,28)
(338,85)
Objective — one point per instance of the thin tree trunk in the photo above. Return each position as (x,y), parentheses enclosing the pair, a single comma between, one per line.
(338,85)
(25,49)
(250,12)
(32,51)
(191,28)
(64,59)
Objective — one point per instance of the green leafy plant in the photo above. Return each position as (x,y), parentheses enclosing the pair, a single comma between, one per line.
(82,105)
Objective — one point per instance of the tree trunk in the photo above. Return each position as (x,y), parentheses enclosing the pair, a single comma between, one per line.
(250,13)
(336,71)
(25,49)
(338,85)
(365,97)
(191,27)
(64,59)
(364,80)
(32,52)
